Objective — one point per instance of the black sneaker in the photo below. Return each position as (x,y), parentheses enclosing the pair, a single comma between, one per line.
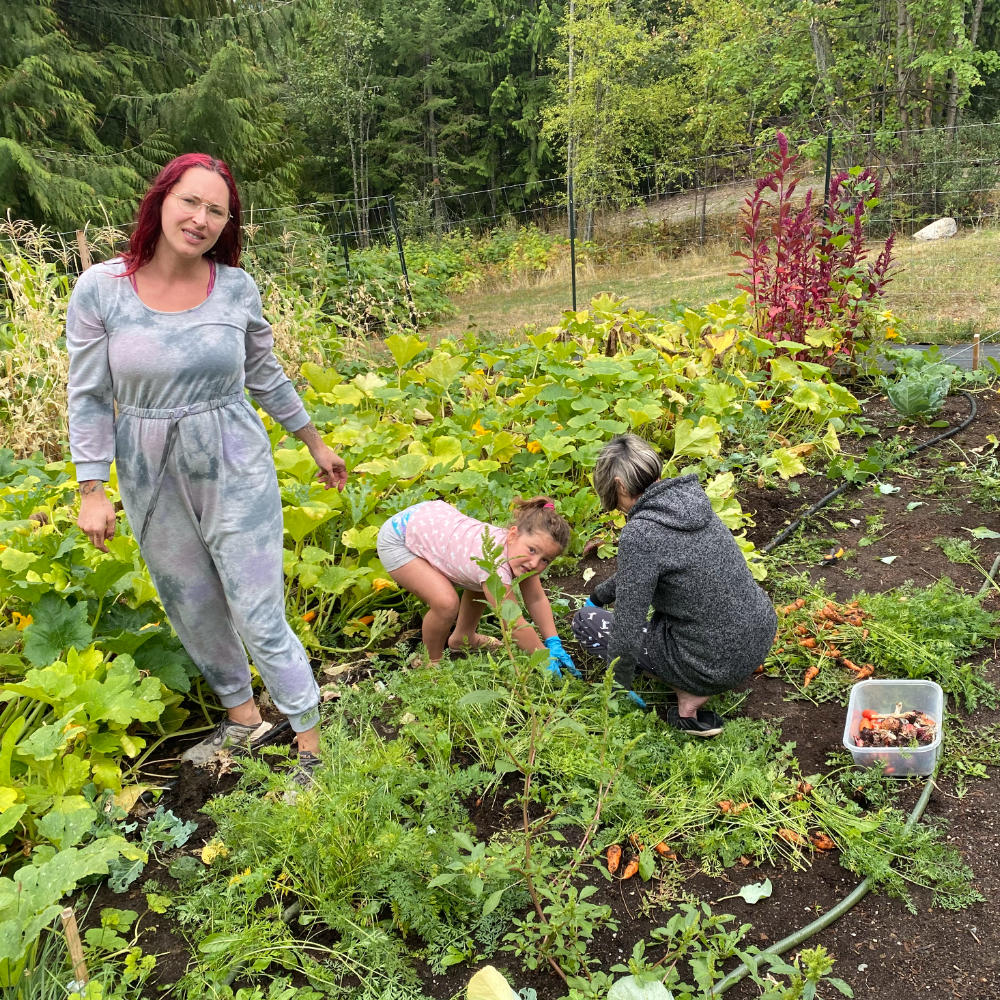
(230,737)
(705,723)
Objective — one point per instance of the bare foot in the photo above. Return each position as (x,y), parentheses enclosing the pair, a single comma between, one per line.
(474,642)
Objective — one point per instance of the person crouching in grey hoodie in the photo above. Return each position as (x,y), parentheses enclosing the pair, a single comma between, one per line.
(711,625)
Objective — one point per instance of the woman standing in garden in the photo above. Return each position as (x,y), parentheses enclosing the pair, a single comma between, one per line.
(711,624)
(163,342)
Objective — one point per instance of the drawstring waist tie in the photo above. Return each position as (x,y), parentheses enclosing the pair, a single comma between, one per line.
(175,415)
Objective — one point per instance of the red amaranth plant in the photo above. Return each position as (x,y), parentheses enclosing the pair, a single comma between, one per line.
(807,270)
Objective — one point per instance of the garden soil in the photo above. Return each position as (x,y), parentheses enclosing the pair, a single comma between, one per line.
(880,949)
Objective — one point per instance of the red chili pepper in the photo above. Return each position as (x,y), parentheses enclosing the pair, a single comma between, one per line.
(868,714)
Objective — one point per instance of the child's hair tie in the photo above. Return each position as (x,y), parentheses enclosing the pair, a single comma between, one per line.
(549,506)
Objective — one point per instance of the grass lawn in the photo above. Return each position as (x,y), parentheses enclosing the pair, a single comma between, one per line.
(943,291)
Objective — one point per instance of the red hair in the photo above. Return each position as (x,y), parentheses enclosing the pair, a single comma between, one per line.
(147,230)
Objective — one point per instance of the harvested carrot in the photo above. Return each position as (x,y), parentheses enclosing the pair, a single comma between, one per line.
(309,616)
(800,602)
(869,713)
(810,674)
(866,671)
(801,630)
(804,787)
(851,665)
(809,643)
(725,805)
(614,858)
(630,869)
(822,842)
(791,836)
(833,652)
(739,807)
(664,848)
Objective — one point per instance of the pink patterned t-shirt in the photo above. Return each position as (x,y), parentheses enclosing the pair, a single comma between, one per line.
(452,542)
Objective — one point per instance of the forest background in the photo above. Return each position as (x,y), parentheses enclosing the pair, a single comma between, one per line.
(311,100)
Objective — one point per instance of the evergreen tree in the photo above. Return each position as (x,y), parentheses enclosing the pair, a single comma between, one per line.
(53,166)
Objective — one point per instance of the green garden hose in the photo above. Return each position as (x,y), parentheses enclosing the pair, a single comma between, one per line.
(831,915)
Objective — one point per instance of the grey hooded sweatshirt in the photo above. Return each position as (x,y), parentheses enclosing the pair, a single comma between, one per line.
(712,625)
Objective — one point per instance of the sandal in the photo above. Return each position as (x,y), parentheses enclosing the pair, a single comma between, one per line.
(476,643)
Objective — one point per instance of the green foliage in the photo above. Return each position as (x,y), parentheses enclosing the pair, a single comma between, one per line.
(558,772)
(30,903)
(913,856)
(919,395)
(53,165)
(931,633)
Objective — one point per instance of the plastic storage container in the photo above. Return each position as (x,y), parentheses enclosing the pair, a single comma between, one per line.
(883,697)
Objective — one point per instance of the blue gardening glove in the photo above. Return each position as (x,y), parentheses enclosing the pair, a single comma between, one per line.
(637,699)
(589,603)
(559,657)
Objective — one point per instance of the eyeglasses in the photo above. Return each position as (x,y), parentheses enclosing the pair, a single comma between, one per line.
(215,212)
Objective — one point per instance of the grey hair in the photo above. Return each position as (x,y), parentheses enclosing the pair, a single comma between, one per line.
(631,461)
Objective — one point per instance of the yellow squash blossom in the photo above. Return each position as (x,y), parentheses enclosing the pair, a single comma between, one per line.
(764,404)
(381,583)
(534,447)
(21,622)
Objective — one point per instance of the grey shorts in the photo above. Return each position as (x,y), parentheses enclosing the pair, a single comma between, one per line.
(391,547)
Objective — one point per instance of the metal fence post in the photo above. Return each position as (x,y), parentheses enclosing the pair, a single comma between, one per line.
(402,259)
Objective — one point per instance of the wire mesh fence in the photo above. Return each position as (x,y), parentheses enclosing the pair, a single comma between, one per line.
(623,216)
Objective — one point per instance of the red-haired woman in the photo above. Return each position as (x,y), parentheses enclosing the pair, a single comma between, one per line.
(170,335)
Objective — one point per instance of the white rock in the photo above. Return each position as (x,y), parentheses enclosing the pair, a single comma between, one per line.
(939,230)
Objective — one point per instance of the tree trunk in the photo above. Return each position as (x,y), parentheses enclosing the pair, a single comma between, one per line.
(437,205)
(903,35)
(977,15)
(823,53)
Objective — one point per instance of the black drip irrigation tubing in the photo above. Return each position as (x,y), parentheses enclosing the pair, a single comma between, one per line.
(821,503)
(864,887)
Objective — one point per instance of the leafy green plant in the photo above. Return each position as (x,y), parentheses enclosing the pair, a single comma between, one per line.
(29,903)
(919,395)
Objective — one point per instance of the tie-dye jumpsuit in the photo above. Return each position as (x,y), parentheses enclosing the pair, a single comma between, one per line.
(195,471)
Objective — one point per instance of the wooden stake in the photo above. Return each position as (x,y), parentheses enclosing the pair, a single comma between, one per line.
(75,947)
(975,351)
(81,244)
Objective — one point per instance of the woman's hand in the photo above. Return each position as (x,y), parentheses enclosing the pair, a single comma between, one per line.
(332,469)
(97,514)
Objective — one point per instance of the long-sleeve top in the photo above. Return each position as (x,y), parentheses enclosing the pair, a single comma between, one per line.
(122,351)
(711,623)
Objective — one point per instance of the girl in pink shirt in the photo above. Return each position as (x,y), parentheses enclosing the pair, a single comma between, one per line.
(430,548)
